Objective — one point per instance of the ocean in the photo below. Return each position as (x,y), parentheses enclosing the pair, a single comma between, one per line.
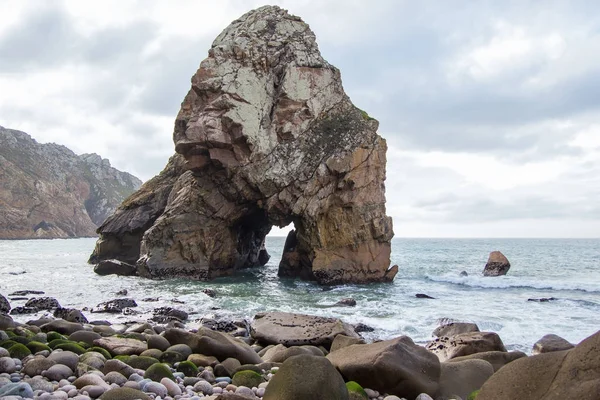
(565,269)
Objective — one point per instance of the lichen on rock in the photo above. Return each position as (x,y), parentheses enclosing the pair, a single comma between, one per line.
(269,138)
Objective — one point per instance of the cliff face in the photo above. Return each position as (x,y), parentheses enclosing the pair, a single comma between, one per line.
(269,137)
(47,191)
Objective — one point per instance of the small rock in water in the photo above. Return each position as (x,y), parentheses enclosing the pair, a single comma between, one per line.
(543,299)
(497,265)
(463,273)
(360,327)
(26,292)
(43,303)
(122,292)
(348,302)
(115,306)
(209,292)
(423,296)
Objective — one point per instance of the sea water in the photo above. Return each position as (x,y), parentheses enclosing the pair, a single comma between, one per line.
(565,269)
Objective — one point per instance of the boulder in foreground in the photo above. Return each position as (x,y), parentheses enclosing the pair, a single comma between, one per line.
(298,329)
(396,366)
(567,374)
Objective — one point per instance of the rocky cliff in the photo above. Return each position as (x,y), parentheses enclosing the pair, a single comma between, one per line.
(266,136)
(47,191)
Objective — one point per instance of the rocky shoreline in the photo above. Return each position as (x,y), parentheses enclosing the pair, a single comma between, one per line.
(276,356)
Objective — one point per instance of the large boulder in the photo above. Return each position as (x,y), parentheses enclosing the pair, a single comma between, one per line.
(559,375)
(306,377)
(497,265)
(463,377)
(549,343)
(464,344)
(121,346)
(298,329)
(497,359)
(212,343)
(269,137)
(117,267)
(455,328)
(396,366)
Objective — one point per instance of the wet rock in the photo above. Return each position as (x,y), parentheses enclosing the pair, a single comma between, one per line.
(26,292)
(298,329)
(4,305)
(70,314)
(165,314)
(348,302)
(210,292)
(360,327)
(20,310)
(116,267)
(423,296)
(497,265)
(543,299)
(115,306)
(550,343)
(43,303)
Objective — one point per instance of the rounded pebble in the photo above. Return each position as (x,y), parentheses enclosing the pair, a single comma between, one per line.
(245,392)
(157,388)
(203,387)
(7,364)
(172,388)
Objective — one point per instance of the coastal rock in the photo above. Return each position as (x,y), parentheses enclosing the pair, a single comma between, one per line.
(306,377)
(455,328)
(464,344)
(47,191)
(115,306)
(70,314)
(464,377)
(269,138)
(298,329)
(212,343)
(559,375)
(550,343)
(280,353)
(4,305)
(341,341)
(121,346)
(497,359)
(43,303)
(108,267)
(396,366)
(61,326)
(124,393)
(497,265)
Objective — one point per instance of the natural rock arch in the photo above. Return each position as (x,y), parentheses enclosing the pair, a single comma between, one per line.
(266,136)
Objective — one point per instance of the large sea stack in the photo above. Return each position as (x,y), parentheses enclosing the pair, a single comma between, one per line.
(266,136)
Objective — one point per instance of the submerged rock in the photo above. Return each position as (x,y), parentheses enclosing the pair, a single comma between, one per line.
(497,265)
(269,137)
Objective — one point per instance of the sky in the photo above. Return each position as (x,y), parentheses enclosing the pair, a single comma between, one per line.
(491,110)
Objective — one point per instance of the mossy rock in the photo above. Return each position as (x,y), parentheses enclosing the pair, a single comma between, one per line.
(122,357)
(54,336)
(141,362)
(7,343)
(21,339)
(171,357)
(247,378)
(188,368)
(158,371)
(100,350)
(124,393)
(10,333)
(53,343)
(71,346)
(356,391)
(84,345)
(19,351)
(36,347)
(155,353)
(473,395)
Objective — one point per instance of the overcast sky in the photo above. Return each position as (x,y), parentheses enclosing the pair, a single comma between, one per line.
(491,109)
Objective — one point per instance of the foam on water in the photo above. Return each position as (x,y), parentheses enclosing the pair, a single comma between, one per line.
(564,269)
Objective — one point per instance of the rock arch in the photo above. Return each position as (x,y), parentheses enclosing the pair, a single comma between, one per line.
(265,136)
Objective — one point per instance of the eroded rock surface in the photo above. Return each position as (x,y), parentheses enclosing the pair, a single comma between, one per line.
(269,137)
(47,191)
(497,264)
